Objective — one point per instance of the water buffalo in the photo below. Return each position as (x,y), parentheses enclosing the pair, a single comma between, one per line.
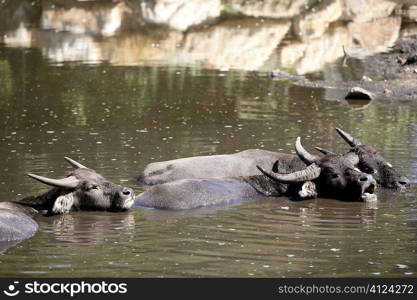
(16,224)
(224,165)
(244,164)
(82,189)
(372,163)
(333,176)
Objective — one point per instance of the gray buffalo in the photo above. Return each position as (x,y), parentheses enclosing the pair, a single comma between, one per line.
(244,164)
(16,224)
(82,189)
(333,176)
(217,166)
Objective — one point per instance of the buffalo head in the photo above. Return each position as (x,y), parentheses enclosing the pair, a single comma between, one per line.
(371,162)
(82,189)
(335,176)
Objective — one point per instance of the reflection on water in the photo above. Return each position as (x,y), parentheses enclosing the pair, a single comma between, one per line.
(301,36)
(157,95)
(264,237)
(94,226)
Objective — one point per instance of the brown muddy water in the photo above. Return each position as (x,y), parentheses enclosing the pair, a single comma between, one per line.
(88,81)
(118,119)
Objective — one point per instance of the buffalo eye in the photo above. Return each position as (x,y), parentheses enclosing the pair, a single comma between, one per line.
(368,170)
(93,187)
(335,175)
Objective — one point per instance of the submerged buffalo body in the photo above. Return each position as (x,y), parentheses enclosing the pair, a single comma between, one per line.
(333,176)
(16,224)
(83,189)
(244,164)
(192,193)
(215,166)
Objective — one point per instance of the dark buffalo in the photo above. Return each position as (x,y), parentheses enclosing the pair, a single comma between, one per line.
(333,176)
(244,164)
(82,189)
(372,163)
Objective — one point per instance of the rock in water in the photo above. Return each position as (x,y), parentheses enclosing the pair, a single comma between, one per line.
(359,93)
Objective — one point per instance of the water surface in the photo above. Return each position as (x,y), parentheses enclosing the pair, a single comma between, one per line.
(117,119)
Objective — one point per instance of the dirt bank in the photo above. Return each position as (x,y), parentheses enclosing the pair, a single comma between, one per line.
(390,75)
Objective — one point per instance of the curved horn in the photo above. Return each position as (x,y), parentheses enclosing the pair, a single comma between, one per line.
(309,173)
(348,138)
(75,164)
(68,182)
(303,154)
(324,151)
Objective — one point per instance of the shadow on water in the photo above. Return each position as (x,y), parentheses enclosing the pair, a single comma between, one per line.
(116,97)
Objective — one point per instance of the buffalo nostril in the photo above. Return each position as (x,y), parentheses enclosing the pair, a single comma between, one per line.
(126,191)
(363,178)
(404,181)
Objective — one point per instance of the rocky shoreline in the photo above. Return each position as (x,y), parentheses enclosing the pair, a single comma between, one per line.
(299,37)
(391,75)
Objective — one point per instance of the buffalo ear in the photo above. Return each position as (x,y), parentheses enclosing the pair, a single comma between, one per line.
(275,167)
(63,204)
